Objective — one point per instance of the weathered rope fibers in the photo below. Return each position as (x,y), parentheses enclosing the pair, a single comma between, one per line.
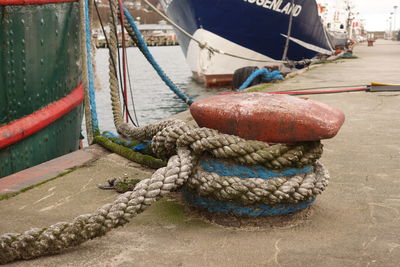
(37,242)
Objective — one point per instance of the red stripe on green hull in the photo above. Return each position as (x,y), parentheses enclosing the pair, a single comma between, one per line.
(28,125)
(40,55)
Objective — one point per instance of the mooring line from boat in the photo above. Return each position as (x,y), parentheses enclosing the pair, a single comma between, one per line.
(90,75)
(115,47)
(123,44)
(111,46)
(113,79)
(85,78)
(136,36)
(113,76)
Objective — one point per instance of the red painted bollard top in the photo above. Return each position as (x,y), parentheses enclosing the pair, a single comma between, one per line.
(267,117)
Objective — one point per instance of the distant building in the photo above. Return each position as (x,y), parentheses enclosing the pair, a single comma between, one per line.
(153,34)
(137,8)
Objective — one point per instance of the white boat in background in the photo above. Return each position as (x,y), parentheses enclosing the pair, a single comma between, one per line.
(340,20)
(238,33)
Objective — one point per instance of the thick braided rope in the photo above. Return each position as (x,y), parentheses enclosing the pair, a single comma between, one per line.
(251,152)
(146,132)
(85,75)
(169,134)
(249,191)
(136,133)
(112,61)
(164,142)
(38,242)
(226,146)
(236,208)
(43,241)
(92,99)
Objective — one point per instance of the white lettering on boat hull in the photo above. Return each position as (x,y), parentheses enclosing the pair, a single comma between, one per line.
(276,5)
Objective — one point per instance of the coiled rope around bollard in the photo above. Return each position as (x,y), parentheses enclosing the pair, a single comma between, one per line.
(169,137)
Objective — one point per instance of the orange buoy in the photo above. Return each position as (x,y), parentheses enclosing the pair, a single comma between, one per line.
(268,117)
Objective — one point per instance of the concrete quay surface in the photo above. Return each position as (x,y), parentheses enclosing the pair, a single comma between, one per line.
(355,222)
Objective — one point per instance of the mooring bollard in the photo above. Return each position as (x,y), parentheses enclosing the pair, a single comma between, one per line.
(265,167)
(270,182)
(371,42)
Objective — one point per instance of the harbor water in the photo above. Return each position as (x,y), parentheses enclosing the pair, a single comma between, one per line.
(153,100)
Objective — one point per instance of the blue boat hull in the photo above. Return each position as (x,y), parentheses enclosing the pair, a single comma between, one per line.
(258,25)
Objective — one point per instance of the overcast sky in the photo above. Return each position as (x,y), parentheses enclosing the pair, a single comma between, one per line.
(377,12)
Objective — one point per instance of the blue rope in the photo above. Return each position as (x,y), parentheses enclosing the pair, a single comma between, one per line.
(266,77)
(215,206)
(116,139)
(145,50)
(141,147)
(92,97)
(224,168)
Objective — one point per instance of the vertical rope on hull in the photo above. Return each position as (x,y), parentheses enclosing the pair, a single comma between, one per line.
(114,88)
(88,117)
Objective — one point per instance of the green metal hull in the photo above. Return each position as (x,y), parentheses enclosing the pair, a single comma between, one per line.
(40,57)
